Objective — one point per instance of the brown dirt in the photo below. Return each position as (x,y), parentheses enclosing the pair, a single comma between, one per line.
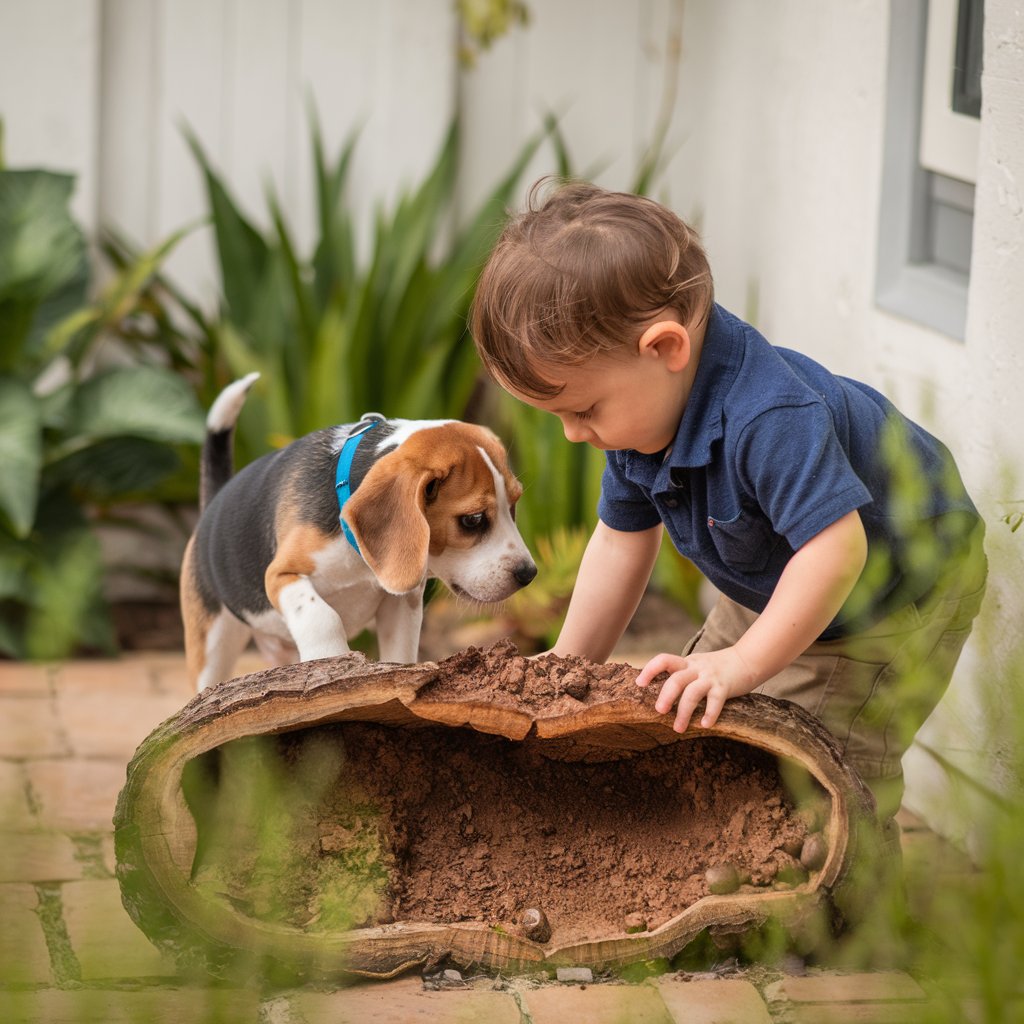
(356,824)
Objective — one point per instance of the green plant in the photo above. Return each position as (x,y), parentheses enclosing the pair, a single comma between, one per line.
(80,430)
(334,338)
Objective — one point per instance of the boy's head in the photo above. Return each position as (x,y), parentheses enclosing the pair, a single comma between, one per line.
(581,274)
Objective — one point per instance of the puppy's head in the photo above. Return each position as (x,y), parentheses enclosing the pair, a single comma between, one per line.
(443,502)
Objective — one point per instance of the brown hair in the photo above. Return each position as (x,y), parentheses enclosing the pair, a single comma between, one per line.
(578,272)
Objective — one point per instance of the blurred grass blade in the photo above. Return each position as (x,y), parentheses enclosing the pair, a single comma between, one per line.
(242,251)
(21,454)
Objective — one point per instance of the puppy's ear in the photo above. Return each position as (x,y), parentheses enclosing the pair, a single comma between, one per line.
(386,514)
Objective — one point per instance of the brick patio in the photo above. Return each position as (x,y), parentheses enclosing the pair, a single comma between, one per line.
(69,952)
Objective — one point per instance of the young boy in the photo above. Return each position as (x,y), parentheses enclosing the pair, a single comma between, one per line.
(846,551)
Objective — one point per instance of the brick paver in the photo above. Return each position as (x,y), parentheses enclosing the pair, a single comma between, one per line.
(37,857)
(872,987)
(103,726)
(15,811)
(24,957)
(404,1001)
(76,795)
(25,679)
(720,1001)
(597,1004)
(104,938)
(29,728)
(156,1006)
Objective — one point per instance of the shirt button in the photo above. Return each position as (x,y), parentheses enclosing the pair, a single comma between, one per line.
(672,502)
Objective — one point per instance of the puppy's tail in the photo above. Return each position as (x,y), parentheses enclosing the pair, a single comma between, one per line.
(217,461)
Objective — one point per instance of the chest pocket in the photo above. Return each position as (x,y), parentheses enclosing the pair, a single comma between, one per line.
(744,542)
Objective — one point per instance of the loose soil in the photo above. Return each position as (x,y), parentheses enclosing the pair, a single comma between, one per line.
(359,824)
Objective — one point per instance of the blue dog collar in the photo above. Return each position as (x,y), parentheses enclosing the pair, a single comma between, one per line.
(342,483)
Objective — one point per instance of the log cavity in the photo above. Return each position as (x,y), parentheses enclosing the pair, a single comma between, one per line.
(357,824)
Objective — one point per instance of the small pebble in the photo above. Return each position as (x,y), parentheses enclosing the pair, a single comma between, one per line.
(450,975)
(576,975)
(814,852)
(534,925)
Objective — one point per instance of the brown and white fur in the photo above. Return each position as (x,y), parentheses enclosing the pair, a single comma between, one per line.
(268,559)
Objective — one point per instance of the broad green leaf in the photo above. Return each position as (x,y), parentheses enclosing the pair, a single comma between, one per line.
(43,265)
(114,467)
(21,454)
(15,560)
(141,401)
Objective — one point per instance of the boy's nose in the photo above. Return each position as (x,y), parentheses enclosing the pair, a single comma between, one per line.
(575,432)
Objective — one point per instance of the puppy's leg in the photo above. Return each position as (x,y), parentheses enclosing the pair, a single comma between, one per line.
(275,651)
(399,619)
(314,625)
(312,622)
(224,642)
(213,637)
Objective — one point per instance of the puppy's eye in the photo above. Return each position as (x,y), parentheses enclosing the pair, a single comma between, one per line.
(430,492)
(473,522)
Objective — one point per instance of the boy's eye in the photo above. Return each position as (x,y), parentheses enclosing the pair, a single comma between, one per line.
(585,415)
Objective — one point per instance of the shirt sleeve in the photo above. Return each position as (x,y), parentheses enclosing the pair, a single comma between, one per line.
(791,460)
(624,505)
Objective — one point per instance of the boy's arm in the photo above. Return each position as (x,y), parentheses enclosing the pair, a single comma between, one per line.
(613,574)
(811,590)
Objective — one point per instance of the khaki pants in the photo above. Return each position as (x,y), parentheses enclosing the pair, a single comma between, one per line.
(873,690)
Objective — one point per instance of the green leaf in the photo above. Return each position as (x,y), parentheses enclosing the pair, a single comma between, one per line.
(242,250)
(43,264)
(21,454)
(114,467)
(67,606)
(141,401)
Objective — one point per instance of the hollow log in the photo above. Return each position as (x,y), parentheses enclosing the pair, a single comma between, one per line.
(159,845)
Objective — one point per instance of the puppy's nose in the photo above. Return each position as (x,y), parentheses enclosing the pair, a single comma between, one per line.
(524,573)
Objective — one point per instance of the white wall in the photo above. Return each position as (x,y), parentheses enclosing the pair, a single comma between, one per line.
(49,88)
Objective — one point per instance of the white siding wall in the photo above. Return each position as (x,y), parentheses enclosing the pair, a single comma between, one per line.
(103,87)
(778,129)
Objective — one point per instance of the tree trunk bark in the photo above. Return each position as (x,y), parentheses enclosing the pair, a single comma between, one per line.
(157,837)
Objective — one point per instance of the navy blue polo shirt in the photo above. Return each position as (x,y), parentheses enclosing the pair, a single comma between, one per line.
(772,448)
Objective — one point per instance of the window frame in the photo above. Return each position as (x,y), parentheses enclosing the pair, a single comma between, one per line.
(949,140)
(909,282)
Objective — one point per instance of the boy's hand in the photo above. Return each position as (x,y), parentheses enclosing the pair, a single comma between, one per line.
(715,675)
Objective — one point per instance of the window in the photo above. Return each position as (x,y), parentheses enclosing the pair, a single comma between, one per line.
(931,155)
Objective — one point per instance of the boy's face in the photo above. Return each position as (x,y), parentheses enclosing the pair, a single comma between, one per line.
(634,400)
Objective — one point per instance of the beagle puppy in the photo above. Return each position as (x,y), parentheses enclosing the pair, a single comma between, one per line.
(309,545)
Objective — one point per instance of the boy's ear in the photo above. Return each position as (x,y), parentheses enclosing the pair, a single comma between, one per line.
(667,340)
